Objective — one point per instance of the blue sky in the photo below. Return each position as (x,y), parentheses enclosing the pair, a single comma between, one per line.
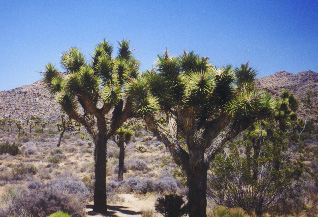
(273,35)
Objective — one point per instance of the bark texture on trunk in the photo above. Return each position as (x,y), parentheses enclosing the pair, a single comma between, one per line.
(100,198)
(121,145)
(197,184)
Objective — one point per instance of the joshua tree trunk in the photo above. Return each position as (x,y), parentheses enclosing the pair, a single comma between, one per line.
(121,145)
(100,175)
(100,197)
(60,138)
(197,184)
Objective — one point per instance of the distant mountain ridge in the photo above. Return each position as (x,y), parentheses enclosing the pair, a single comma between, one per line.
(35,99)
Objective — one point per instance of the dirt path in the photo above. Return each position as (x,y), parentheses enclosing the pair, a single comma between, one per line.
(131,206)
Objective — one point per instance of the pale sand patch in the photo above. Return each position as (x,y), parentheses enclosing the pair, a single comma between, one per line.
(132,205)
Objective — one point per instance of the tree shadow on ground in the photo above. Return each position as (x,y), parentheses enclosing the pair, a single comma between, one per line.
(111,211)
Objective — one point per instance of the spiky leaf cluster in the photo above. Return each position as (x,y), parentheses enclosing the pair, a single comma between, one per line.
(191,86)
(96,87)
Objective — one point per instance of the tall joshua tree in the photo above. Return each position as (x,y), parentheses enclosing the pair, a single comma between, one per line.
(205,107)
(89,92)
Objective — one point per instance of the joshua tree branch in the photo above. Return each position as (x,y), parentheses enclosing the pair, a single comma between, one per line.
(180,156)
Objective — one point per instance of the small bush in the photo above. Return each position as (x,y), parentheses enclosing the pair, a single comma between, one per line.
(89,183)
(30,150)
(143,186)
(113,153)
(57,151)
(171,206)
(167,184)
(12,149)
(57,158)
(137,165)
(141,148)
(19,171)
(222,211)
(59,214)
(44,199)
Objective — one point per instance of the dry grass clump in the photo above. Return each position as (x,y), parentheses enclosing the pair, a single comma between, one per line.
(222,211)
(148,213)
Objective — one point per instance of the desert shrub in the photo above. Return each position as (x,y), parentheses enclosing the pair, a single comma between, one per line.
(30,150)
(112,184)
(57,151)
(171,206)
(51,132)
(38,130)
(57,158)
(117,168)
(143,186)
(59,214)
(130,184)
(222,211)
(41,199)
(167,184)
(87,150)
(21,170)
(113,153)
(136,165)
(141,148)
(6,147)
(89,183)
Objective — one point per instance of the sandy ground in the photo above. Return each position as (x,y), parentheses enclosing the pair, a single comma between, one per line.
(130,206)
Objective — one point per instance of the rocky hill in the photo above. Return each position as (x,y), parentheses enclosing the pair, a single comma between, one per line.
(298,84)
(35,99)
(28,100)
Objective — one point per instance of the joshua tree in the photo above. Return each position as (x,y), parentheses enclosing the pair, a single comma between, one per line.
(31,125)
(123,136)
(43,124)
(89,92)
(205,107)
(63,126)
(19,126)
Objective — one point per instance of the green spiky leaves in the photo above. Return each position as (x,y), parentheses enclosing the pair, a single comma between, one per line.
(52,78)
(124,50)
(190,62)
(245,76)
(96,86)
(144,102)
(72,60)
(250,104)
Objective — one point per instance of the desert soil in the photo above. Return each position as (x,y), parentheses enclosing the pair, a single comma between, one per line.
(129,205)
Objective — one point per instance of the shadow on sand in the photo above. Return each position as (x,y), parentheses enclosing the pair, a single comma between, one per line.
(111,211)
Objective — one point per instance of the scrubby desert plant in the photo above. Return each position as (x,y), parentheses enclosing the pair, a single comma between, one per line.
(261,171)
(7,147)
(222,211)
(171,206)
(43,199)
(21,170)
